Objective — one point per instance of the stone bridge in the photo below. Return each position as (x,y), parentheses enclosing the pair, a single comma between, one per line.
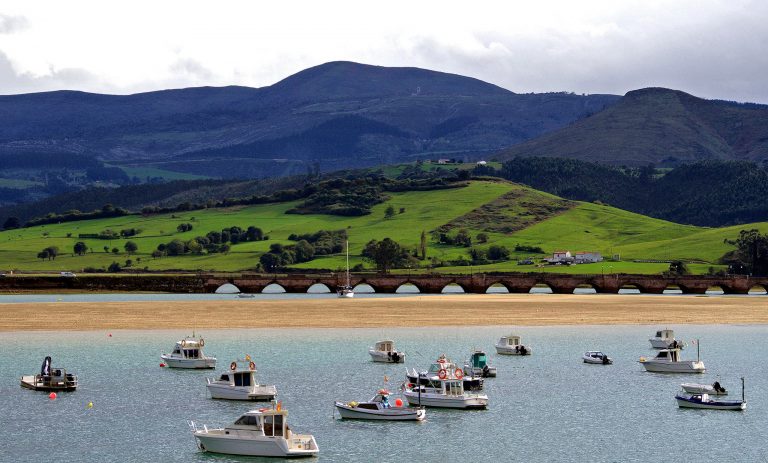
(513,282)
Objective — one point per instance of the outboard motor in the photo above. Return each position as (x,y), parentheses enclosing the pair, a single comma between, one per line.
(523,350)
(395,357)
(605,359)
(486,371)
(45,370)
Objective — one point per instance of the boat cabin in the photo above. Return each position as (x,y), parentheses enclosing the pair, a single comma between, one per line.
(238,378)
(385,346)
(188,349)
(271,422)
(665,334)
(669,355)
(511,340)
(478,359)
(453,387)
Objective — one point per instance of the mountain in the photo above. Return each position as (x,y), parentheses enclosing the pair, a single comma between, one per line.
(659,126)
(338,114)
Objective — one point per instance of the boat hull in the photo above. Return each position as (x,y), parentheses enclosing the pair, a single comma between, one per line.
(257,394)
(476,371)
(674,367)
(382,357)
(192,364)
(465,402)
(684,402)
(594,361)
(29,382)
(691,388)
(388,414)
(232,444)
(506,350)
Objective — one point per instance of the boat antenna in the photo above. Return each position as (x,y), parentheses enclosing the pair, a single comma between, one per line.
(742,390)
(698,350)
(347,246)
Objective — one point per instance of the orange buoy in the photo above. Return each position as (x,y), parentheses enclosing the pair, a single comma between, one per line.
(398,402)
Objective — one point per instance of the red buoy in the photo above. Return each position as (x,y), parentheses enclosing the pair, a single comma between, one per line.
(162,365)
(398,402)
(52,396)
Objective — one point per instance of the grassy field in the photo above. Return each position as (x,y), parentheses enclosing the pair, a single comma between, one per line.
(585,226)
(143,172)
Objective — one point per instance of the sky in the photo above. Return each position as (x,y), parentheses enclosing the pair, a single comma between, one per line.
(710,48)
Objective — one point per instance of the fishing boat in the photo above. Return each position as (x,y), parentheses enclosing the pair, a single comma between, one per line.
(258,433)
(665,339)
(188,353)
(384,351)
(596,357)
(477,365)
(668,361)
(346,290)
(448,392)
(512,345)
(431,377)
(714,389)
(239,383)
(704,401)
(50,379)
(379,408)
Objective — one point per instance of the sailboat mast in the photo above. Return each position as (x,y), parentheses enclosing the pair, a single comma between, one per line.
(347,263)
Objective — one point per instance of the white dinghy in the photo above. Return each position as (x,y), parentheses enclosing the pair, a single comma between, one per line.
(379,408)
(239,383)
(714,389)
(595,357)
(258,433)
(512,345)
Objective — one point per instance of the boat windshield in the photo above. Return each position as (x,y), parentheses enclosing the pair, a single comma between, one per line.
(662,354)
(273,425)
(479,361)
(191,353)
(224,378)
(242,379)
(248,420)
(658,334)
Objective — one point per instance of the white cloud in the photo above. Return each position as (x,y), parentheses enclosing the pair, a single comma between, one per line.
(711,48)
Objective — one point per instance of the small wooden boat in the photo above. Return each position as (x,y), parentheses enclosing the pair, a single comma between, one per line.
(512,345)
(259,433)
(704,401)
(595,357)
(188,353)
(385,351)
(239,383)
(50,379)
(714,389)
(379,408)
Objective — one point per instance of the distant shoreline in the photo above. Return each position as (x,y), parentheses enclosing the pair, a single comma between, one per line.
(414,312)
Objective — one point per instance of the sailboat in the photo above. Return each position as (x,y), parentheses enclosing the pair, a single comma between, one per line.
(346,290)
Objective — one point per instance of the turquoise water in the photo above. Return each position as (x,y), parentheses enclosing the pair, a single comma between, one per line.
(546,407)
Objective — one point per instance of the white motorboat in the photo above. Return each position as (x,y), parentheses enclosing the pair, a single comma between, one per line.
(704,401)
(239,383)
(512,345)
(668,361)
(596,358)
(450,393)
(665,339)
(714,389)
(477,365)
(188,353)
(260,433)
(379,408)
(50,379)
(439,370)
(346,290)
(384,351)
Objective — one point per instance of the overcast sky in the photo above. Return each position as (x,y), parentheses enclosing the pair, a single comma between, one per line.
(710,48)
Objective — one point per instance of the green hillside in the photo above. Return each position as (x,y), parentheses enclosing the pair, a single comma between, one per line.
(494,208)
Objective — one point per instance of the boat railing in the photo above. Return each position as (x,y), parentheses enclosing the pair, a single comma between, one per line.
(193,427)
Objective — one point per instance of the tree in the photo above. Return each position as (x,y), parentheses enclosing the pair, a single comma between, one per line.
(402,210)
(482,237)
(131,247)
(678,267)
(270,261)
(463,239)
(304,251)
(157,253)
(80,248)
(254,234)
(53,251)
(423,245)
(498,253)
(751,252)
(11,223)
(194,247)
(175,248)
(42,254)
(106,248)
(385,254)
(115,251)
(184,227)
(114,267)
(390,212)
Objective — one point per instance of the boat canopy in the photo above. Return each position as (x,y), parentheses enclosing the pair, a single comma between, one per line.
(479,360)
(385,346)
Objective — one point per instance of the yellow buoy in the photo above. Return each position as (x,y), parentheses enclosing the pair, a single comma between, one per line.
(90,405)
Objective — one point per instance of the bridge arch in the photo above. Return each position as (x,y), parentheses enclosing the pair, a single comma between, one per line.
(497,288)
(318,288)
(274,288)
(672,289)
(408,287)
(364,288)
(541,288)
(758,289)
(227,288)
(630,288)
(453,288)
(585,288)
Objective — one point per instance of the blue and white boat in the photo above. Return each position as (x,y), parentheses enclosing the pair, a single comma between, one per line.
(704,401)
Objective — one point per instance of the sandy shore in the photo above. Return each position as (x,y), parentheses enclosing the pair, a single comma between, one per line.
(446,310)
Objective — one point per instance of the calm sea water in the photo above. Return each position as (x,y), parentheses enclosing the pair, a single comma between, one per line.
(546,407)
